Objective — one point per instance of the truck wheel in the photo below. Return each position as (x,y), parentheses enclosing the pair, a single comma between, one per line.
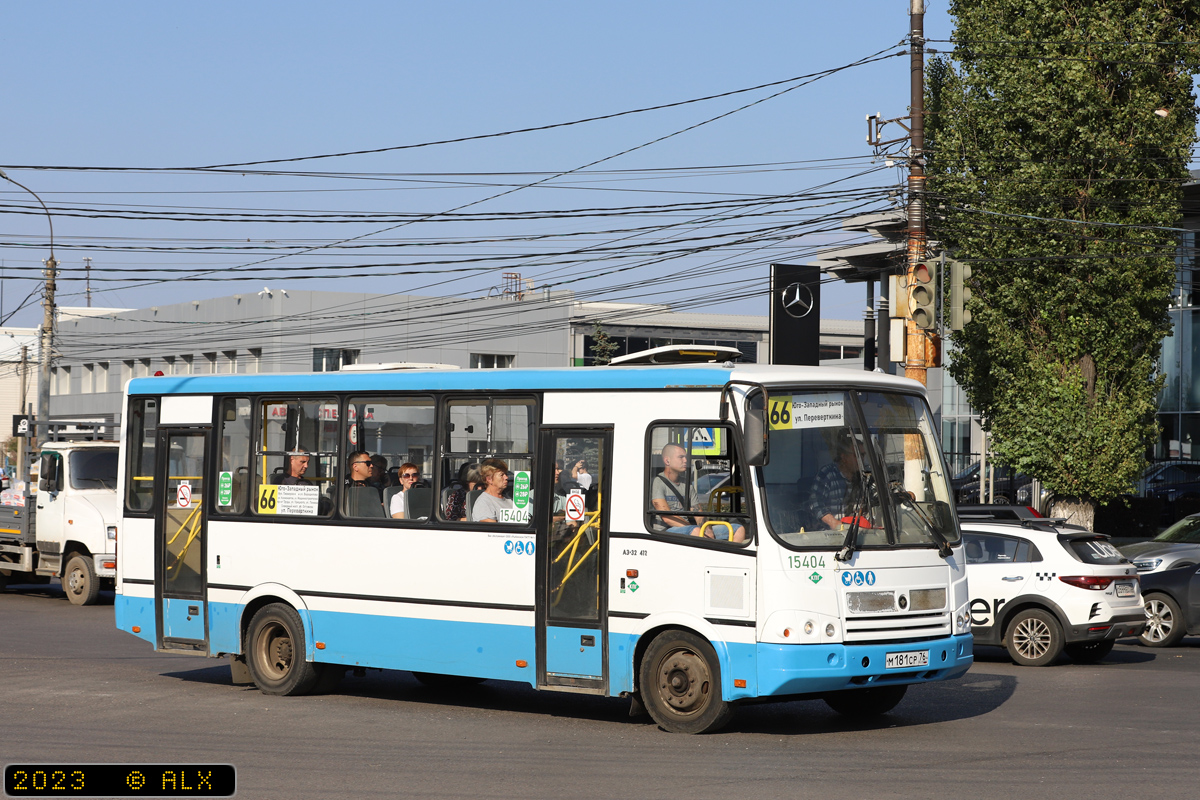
(681,684)
(275,652)
(79,580)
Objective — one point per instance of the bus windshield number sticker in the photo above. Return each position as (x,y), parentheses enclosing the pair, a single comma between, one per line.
(818,410)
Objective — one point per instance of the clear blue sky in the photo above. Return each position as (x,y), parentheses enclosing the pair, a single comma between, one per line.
(154,84)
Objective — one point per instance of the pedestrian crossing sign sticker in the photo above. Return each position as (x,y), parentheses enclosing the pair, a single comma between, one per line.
(706,442)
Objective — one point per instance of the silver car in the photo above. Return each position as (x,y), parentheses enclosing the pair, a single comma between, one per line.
(1177,546)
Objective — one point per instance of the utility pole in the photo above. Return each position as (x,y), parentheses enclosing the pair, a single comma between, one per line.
(920,345)
(23,442)
(47,346)
(87,271)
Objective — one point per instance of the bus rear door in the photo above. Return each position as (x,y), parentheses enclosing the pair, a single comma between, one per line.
(572,546)
(180,542)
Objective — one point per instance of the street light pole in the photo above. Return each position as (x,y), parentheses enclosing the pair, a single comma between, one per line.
(47,338)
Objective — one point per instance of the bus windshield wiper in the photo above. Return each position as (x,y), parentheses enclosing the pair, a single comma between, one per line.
(847,549)
(905,498)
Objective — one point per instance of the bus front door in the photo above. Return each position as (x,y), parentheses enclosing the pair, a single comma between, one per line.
(180,542)
(572,547)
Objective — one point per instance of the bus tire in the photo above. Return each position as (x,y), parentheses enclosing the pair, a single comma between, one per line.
(79,580)
(680,682)
(874,701)
(275,652)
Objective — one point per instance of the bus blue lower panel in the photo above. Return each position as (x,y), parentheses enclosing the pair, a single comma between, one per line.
(475,649)
(785,669)
(136,612)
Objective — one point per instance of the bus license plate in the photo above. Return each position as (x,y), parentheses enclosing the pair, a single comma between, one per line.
(914,658)
(1124,590)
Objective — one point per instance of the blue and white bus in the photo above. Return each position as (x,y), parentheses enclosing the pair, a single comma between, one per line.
(691,536)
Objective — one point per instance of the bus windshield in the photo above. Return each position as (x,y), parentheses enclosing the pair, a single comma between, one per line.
(860,469)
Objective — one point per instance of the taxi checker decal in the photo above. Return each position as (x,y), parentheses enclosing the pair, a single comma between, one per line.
(858,578)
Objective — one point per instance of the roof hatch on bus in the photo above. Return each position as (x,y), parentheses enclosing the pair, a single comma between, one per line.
(680,354)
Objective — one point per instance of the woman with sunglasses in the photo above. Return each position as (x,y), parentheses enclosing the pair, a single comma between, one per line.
(409,474)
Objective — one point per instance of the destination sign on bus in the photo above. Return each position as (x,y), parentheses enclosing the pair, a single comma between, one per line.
(816,410)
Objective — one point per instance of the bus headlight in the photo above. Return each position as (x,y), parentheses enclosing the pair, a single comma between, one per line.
(962,623)
(829,629)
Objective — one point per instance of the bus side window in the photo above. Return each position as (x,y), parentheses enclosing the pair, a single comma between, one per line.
(695,485)
(297,461)
(481,430)
(234,469)
(139,471)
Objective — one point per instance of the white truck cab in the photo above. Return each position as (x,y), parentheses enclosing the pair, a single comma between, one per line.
(73,533)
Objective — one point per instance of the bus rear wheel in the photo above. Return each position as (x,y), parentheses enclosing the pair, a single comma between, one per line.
(680,684)
(275,652)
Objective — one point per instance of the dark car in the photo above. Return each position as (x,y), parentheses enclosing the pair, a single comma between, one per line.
(1177,485)
(1177,546)
(1172,601)
(974,511)
(1006,482)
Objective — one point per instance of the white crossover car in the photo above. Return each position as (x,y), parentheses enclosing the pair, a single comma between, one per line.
(1039,588)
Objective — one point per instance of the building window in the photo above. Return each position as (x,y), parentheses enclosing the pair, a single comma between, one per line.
(254,362)
(231,362)
(491,361)
(60,380)
(183,366)
(208,364)
(331,360)
(100,377)
(87,383)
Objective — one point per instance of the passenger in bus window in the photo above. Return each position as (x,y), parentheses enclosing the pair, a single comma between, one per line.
(379,473)
(297,465)
(360,469)
(409,474)
(491,504)
(671,491)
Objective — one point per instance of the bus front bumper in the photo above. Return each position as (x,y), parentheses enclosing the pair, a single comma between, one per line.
(789,669)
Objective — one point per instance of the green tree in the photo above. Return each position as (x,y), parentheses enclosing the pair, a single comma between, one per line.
(1059,140)
(603,347)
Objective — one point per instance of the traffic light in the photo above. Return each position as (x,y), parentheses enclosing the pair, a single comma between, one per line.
(923,298)
(959,295)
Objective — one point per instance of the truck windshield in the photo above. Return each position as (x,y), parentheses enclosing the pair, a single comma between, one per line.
(94,469)
(855,468)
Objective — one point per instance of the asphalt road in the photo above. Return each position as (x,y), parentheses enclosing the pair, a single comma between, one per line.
(75,689)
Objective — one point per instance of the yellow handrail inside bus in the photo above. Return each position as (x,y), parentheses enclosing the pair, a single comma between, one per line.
(193,519)
(572,547)
(716,499)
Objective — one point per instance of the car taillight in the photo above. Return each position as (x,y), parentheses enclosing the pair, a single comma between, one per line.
(1087,581)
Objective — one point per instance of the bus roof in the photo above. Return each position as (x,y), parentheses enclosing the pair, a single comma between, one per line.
(693,376)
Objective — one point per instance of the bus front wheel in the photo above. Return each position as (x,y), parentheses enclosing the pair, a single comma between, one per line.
(275,652)
(680,684)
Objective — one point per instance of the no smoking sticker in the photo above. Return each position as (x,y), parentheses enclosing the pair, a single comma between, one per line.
(575,507)
(183,495)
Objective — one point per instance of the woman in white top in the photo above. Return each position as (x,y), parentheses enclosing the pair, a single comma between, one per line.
(490,505)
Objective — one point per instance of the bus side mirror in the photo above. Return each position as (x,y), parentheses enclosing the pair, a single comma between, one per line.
(755,427)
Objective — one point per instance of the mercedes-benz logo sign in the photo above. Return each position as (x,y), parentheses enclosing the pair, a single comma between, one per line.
(797,300)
